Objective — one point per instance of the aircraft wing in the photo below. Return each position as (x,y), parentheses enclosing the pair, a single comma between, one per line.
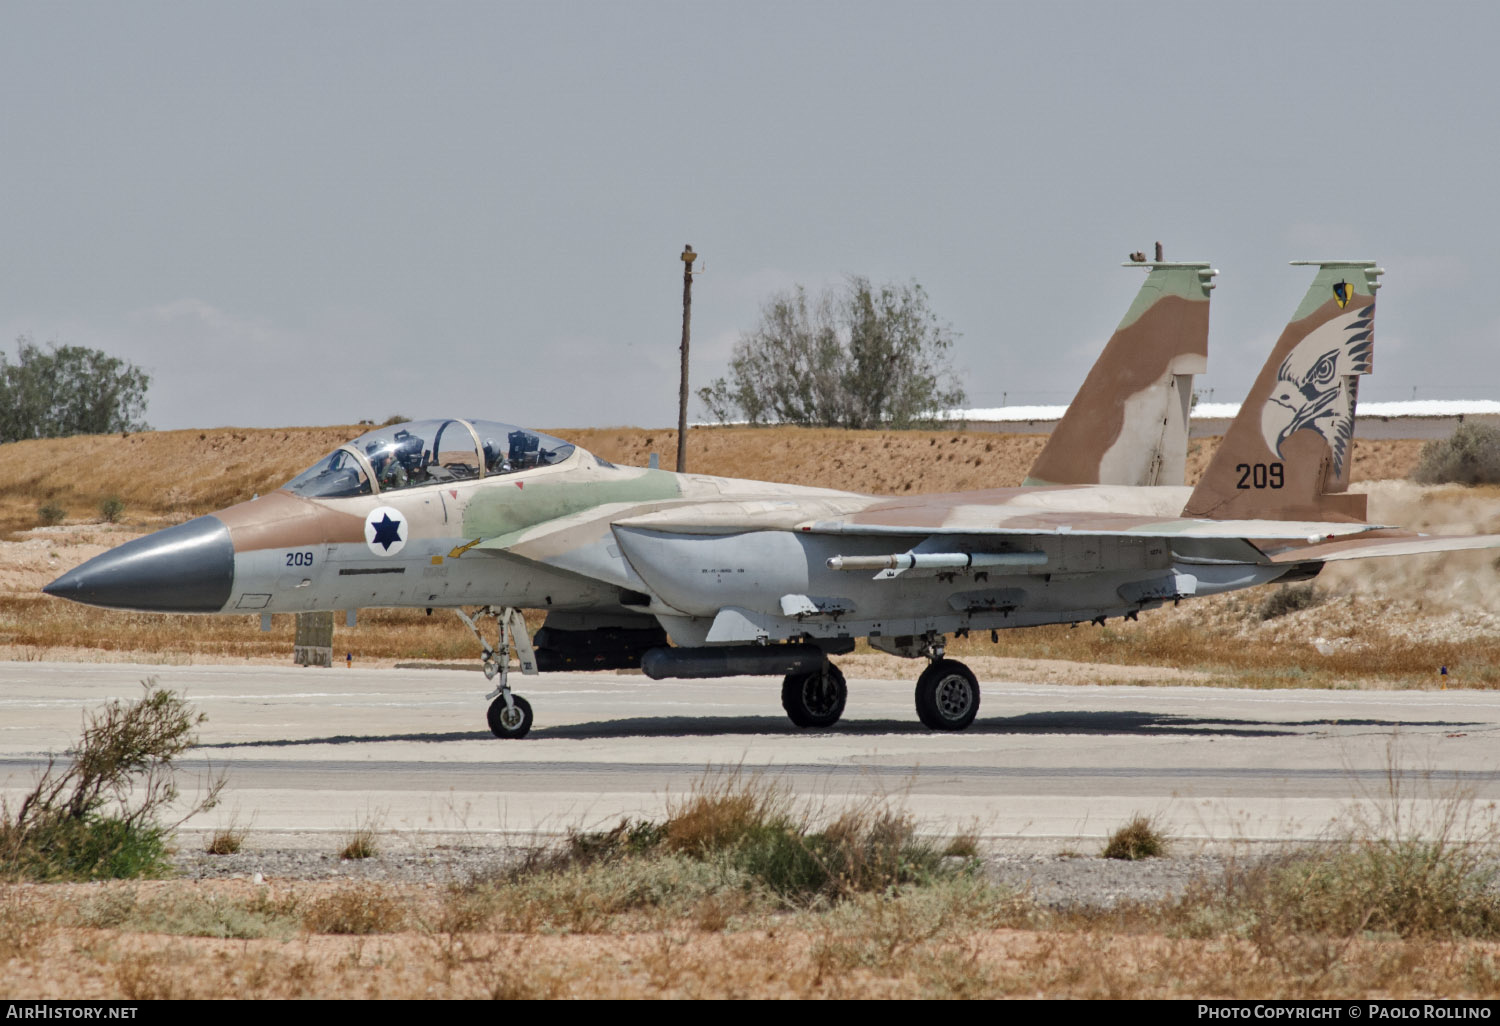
(1403,544)
(979,521)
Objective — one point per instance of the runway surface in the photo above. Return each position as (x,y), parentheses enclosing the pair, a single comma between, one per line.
(314,751)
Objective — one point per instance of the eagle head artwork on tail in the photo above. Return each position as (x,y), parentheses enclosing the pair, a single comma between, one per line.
(1317,384)
(1289,451)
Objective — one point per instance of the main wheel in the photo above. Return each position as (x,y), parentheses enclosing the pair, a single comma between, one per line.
(947,695)
(815,699)
(511,722)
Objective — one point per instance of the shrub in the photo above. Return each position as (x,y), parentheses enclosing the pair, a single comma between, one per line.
(226,841)
(1138,839)
(1289,598)
(111,507)
(192,914)
(963,845)
(1405,886)
(1471,455)
(750,830)
(97,818)
(51,513)
(360,844)
(722,812)
(355,910)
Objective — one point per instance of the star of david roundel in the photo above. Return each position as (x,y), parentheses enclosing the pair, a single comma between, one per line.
(386,531)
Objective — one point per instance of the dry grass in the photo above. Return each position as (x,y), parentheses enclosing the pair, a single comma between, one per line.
(227,840)
(732,842)
(963,845)
(1141,838)
(360,843)
(956,940)
(355,911)
(39,627)
(1400,906)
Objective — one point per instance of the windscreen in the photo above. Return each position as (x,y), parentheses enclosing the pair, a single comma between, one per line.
(334,476)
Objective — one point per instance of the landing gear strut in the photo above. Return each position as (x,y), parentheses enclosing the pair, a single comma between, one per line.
(509,714)
(815,699)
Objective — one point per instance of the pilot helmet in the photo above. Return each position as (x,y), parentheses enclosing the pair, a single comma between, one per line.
(379,453)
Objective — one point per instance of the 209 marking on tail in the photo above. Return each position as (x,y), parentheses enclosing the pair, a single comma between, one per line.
(1261,475)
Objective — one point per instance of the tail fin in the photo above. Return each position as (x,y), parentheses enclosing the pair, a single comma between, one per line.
(1287,454)
(1128,424)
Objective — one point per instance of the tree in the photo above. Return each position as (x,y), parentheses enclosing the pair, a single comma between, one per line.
(855,356)
(68,390)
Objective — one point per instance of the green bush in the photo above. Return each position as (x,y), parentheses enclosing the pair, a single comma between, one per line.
(93,848)
(751,831)
(1408,887)
(111,507)
(1471,455)
(51,513)
(98,817)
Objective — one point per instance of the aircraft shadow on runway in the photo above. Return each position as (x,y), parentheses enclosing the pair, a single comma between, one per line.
(1117,722)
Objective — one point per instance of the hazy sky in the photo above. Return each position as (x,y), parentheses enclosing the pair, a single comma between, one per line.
(309,213)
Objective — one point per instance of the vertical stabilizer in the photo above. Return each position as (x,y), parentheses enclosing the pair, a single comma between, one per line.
(1287,454)
(1128,424)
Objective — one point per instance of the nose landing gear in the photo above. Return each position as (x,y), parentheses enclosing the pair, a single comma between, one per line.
(509,714)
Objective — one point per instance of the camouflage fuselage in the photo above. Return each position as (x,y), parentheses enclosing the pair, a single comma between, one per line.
(717,560)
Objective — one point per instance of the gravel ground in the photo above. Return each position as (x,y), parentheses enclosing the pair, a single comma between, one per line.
(1051,872)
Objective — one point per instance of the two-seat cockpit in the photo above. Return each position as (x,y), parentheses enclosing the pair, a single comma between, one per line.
(427,452)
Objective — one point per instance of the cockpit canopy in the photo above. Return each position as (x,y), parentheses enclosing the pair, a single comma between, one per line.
(425,452)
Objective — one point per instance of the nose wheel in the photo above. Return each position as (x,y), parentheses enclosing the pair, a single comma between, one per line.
(510,721)
(509,714)
(947,695)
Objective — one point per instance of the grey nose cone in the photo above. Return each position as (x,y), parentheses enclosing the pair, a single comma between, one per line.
(184,569)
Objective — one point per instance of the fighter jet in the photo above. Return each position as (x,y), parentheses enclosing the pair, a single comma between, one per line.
(686,575)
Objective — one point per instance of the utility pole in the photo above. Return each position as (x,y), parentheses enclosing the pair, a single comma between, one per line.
(688,256)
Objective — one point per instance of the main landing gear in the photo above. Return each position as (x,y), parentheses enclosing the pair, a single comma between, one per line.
(509,714)
(947,692)
(947,695)
(815,699)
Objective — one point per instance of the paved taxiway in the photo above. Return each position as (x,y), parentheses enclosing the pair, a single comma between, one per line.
(321,750)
